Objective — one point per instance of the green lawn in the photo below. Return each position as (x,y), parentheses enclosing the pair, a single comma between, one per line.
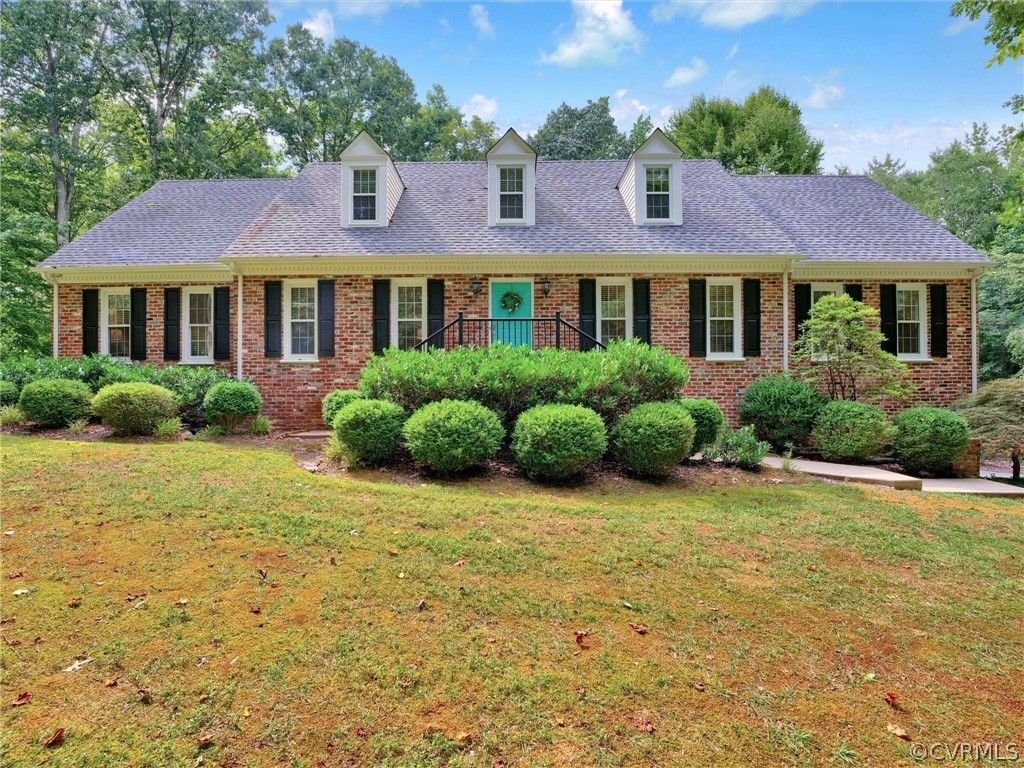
(332,621)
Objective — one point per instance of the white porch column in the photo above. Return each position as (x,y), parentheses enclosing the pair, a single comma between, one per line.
(238,330)
(55,301)
(785,319)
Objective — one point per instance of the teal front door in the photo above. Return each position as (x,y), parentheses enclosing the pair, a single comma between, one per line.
(511,324)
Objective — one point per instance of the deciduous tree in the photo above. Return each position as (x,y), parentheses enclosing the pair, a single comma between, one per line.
(580,133)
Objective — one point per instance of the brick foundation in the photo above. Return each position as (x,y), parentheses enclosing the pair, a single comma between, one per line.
(292,391)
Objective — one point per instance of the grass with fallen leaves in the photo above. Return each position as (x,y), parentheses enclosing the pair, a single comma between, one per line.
(197,603)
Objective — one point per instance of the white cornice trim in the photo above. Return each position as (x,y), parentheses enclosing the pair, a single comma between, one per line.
(137,274)
(497,264)
(844,270)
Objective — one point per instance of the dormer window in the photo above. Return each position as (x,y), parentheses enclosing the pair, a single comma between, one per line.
(511,193)
(364,194)
(658,193)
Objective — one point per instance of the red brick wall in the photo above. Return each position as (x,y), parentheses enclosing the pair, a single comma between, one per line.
(292,391)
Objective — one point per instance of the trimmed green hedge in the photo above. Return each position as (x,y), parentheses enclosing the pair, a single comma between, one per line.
(453,435)
(781,409)
(554,442)
(512,379)
(708,422)
(230,403)
(849,431)
(55,402)
(335,401)
(133,408)
(8,393)
(929,439)
(369,431)
(653,438)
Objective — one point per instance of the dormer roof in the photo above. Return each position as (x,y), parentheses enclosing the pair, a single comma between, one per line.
(511,144)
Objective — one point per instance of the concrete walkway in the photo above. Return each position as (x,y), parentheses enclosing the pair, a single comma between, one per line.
(875,476)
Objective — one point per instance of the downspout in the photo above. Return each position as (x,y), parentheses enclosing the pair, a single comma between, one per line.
(785,316)
(974,333)
(55,301)
(238,319)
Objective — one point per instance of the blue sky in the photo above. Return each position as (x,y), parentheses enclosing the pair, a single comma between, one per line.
(871,77)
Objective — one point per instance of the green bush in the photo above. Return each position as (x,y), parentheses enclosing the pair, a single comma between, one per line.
(133,408)
(335,401)
(8,392)
(929,439)
(369,430)
(653,438)
(512,379)
(849,431)
(169,428)
(708,421)
(739,448)
(781,409)
(453,435)
(230,403)
(557,441)
(55,402)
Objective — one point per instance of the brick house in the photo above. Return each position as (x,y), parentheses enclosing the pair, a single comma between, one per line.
(294,283)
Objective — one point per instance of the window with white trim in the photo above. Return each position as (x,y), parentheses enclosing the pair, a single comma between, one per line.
(910,321)
(116,315)
(198,330)
(613,311)
(511,193)
(364,194)
(408,312)
(300,320)
(657,193)
(820,290)
(723,319)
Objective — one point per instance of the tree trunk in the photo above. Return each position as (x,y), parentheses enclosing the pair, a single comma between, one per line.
(1015,460)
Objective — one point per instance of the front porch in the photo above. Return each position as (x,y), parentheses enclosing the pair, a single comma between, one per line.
(535,332)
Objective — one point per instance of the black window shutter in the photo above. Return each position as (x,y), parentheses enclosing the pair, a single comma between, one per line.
(90,321)
(802,305)
(138,323)
(381,315)
(887,309)
(751,318)
(222,323)
(272,318)
(325,318)
(435,311)
(172,323)
(698,318)
(588,311)
(939,329)
(642,310)
(855,291)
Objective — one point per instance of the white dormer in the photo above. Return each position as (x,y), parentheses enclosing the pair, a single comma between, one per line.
(511,182)
(370,184)
(650,184)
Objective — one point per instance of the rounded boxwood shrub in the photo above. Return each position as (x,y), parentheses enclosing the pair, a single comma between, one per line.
(134,408)
(55,402)
(781,409)
(369,430)
(708,421)
(335,401)
(229,403)
(558,441)
(929,439)
(452,435)
(653,437)
(8,393)
(849,431)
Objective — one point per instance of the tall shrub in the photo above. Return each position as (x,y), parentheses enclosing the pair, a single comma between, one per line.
(781,409)
(848,431)
(929,439)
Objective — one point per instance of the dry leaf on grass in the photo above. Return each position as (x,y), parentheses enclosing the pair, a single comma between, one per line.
(22,700)
(55,739)
(898,732)
(640,629)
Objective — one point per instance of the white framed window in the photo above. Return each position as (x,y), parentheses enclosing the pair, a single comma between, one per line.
(116,322)
(364,194)
(614,310)
(911,322)
(723,307)
(300,320)
(408,312)
(511,193)
(820,290)
(197,330)
(657,195)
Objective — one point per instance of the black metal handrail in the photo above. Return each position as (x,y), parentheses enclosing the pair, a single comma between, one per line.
(536,332)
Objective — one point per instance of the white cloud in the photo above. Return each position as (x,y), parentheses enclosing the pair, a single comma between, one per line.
(854,144)
(687,75)
(481,106)
(602,31)
(625,109)
(956,27)
(826,93)
(375,9)
(445,25)
(732,51)
(735,84)
(729,14)
(321,24)
(478,15)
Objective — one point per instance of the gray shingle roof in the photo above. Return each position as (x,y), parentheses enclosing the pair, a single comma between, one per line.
(851,218)
(174,222)
(443,211)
